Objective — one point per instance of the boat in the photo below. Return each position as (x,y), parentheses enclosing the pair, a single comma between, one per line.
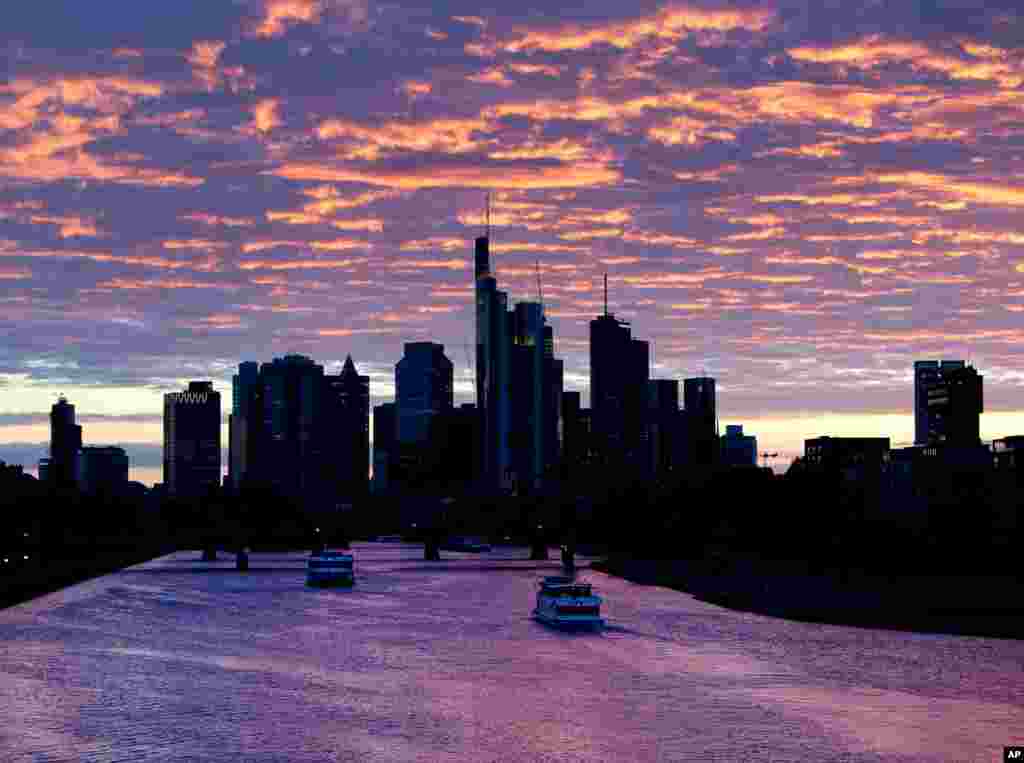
(565,603)
(471,545)
(329,568)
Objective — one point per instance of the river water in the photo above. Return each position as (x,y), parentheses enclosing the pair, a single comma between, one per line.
(177,659)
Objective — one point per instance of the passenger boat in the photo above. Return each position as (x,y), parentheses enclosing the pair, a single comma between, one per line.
(329,568)
(565,603)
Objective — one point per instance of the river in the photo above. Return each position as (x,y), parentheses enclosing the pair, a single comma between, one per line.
(177,659)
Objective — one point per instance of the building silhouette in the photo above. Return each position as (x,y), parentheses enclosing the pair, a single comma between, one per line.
(737,448)
(102,469)
(619,372)
(301,433)
(663,424)
(927,373)
(192,440)
(519,387)
(493,387)
(65,443)
(385,446)
(244,421)
(701,424)
(424,390)
(347,419)
(954,406)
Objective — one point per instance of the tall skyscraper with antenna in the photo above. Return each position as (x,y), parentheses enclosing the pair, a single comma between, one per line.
(619,372)
(519,384)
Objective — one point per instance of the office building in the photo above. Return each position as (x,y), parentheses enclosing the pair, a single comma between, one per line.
(493,389)
(244,421)
(424,389)
(347,419)
(701,422)
(102,470)
(619,372)
(301,433)
(663,424)
(519,387)
(927,373)
(954,406)
(65,443)
(738,449)
(192,440)
(385,428)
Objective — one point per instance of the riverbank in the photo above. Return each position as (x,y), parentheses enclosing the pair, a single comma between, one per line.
(981,605)
(62,570)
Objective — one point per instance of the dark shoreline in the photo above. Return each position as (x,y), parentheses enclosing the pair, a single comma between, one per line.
(986,606)
(67,569)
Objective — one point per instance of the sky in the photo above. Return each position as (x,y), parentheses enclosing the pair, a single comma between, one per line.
(797,198)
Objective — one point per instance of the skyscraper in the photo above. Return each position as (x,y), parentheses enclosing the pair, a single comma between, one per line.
(954,403)
(926,374)
(519,386)
(244,421)
(192,440)
(619,372)
(663,423)
(291,451)
(493,391)
(424,389)
(385,453)
(701,422)
(300,432)
(65,442)
(347,418)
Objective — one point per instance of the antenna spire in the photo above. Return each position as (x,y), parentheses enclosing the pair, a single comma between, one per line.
(540,292)
(606,294)
(487,232)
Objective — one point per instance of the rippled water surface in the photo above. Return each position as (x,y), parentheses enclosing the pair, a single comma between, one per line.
(178,659)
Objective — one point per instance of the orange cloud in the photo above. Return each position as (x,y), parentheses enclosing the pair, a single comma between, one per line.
(672,23)
(204,57)
(279,14)
(314,264)
(265,115)
(581,175)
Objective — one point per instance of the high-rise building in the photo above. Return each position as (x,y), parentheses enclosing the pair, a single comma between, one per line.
(926,374)
(954,405)
(385,429)
(244,421)
(192,440)
(519,386)
(738,449)
(291,451)
(347,418)
(65,443)
(619,372)
(701,421)
(300,432)
(663,423)
(424,389)
(102,469)
(493,389)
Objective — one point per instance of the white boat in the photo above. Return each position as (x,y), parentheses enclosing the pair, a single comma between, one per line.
(565,603)
(330,568)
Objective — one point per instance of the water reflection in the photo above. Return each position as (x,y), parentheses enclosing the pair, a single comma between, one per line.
(439,662)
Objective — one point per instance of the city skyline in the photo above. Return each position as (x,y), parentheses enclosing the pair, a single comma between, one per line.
(799,206)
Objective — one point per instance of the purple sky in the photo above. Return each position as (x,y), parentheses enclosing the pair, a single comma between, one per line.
(798,200)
